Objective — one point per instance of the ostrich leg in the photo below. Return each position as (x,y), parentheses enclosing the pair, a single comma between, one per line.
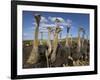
(33,58)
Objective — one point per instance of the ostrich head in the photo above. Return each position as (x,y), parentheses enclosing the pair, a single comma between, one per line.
(81,29)
(37,18)
(58,29)
(57,21)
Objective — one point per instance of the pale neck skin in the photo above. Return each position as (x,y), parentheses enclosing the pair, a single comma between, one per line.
(33,58)
(67,37)
(49,41)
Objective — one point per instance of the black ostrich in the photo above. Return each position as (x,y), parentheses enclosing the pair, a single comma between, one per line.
(42,62)
(62,57)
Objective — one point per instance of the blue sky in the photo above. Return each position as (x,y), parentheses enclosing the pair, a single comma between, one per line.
(47,19)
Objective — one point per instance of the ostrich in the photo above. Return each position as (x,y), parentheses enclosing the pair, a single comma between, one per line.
(61,53)
(79,39)
(68,29)
(83,38)
(78,55)
(49,40)
(83,48)
(55,41)
(67,45)
(48,52)
(87,49)
(33,58)
(55,44)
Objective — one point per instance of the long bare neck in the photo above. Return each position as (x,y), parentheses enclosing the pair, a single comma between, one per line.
(67,39)
(36,36)
(55,40)
(79,42)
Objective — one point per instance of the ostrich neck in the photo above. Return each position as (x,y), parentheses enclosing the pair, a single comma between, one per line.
(49,37)
(36,36)
(79,43)
(55,41)
(49,43)
(79,36)
(67,37)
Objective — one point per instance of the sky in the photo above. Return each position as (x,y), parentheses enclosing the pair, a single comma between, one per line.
(75,20)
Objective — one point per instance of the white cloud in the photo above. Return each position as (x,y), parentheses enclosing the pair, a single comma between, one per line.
(61,27)
(43,19)
(34,24)
(43,27)
(45,31)
(32,27)
(69,22)
(48,25)
(54,18)
(64,24)
(25,34)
